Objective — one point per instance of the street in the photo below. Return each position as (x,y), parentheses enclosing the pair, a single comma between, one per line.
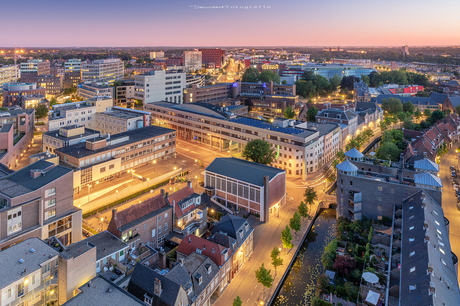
(449,200)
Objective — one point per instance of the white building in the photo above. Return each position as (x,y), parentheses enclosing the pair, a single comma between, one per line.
(105,70)
(158,54)
(91,90)
(192,60)
(72,65)
(120,119)
(160,85)
(9,74)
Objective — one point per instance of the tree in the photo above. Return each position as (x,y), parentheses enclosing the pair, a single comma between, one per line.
(344,264)
(53,101)
(388,150)
(251,75)
(286,238)
(365,79)
(401,116)
(392,105)
(368,132)
(310,196)
(268,75)
(70,90)
(308,75)
(284,82)
(263,277)
(353,143)
(259,151)
(303,209)
(407,124)
(237,301)
(408,107)
(289,113)
(311,113)
(41,111)
(435,116)
(427,112)
(422,94)
(383,126)
(295,222)
(348,82)
(276,259)
(417,113)
(335,82)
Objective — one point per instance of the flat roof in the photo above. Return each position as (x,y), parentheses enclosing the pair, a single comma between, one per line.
(106,244)
(15,112)
(79,150)
(20,182)
(9,259)
(102,292)
(267,126)
(243,170)
(87,133)
(123,113)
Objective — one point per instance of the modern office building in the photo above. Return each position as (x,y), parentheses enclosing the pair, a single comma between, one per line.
(57,70)
(241,184)
(16,135)
(72,65)
(104,70)
(31,69)
(78,113)
(72,73)
(37,201)
(157,54)
(53,84)
(90,90)
(102,158)
(299,149)
(293,73)
(120,119)
(29,274)
(124,93)
(213,56)
(210,93)
(32,101)
(160,85)
(192,60)
(9,74)
(13,92)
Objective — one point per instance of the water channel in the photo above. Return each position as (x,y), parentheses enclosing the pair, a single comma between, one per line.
(300,284)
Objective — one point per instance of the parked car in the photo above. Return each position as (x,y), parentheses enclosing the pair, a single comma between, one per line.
(452,168)
(453,175)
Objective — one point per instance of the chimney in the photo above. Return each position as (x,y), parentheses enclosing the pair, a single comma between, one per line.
(190,184)
(114,214)
(424,154)
(162,191)
(166,195)
(162,261)
(343,107)
(157,287)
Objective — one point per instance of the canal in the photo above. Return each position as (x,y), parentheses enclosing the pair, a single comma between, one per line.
(300,284)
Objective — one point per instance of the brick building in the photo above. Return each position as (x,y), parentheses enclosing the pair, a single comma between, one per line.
(13,92)
(242,184)
(53,84)
(213,56)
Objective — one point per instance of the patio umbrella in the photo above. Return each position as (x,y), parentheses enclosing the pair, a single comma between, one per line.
(370,277)
(372,297)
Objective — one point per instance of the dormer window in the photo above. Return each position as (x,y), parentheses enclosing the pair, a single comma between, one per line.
(208,268)
(241,233)
(246,227)
(199,278)
(234,245)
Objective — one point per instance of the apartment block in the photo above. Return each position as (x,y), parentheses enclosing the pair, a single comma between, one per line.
(90,90)
(102,158)
(13,92)
(78,113)
(29,274)
(216,57)
(124,94)
(16,135)
(160,85)
(9,74)
(104,70)
(37,201)
(72,73)
(72,65)
(31,69)
(53,84)
(192,60)
(157,54)
(241,184)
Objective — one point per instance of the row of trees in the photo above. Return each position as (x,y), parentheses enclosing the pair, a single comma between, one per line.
(311,85)
(253,75)
(400,77)
(360,139)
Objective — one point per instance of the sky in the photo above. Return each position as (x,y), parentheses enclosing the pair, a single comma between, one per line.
(196,23)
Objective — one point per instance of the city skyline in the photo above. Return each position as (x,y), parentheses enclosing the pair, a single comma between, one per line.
(186,23)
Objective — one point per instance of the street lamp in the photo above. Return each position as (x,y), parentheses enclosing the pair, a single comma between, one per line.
(154,162)
(117,194)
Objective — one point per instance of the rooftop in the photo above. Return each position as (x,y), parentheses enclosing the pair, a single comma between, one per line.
(102,292)
(125,113)
(15,112)
(267,126)
(80,150)
(243,170)
(88,133)
(106,244)
(33,252)
(20,182)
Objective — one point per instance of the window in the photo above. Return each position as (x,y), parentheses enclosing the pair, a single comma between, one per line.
(412,254)
(166,226)
(50,214)
(412,269)
(145,225)
(111,167)
(160,217)
(14,220)
(7,293)
(166,215)
(50,192)
(159,230)
(102,170)
(50,203)
(153,233)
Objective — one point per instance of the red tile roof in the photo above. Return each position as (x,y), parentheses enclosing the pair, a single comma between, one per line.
(210,249)
(137,211)
(179,195)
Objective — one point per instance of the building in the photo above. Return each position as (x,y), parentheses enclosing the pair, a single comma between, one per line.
(160,85)
(31,69)
(421,103)
(365,189)
(101,291)
(37,201)
(124,94)
(147,223)
(192,60)
(119,119)
(72,65)
(157,54)
(78,113)
(57,70)
(72,73)
(293,73)
(405,50)
(90,90)
(210,93)
(13,92)
(29,274)
(16,135)
(427,266)
(344,116)
(9,74)
(53,84)
(174,61)
(32,101)
(104,70)
(213,126)
(241,184)
(66,136)
(102,158)
(213,56)
(195,79)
